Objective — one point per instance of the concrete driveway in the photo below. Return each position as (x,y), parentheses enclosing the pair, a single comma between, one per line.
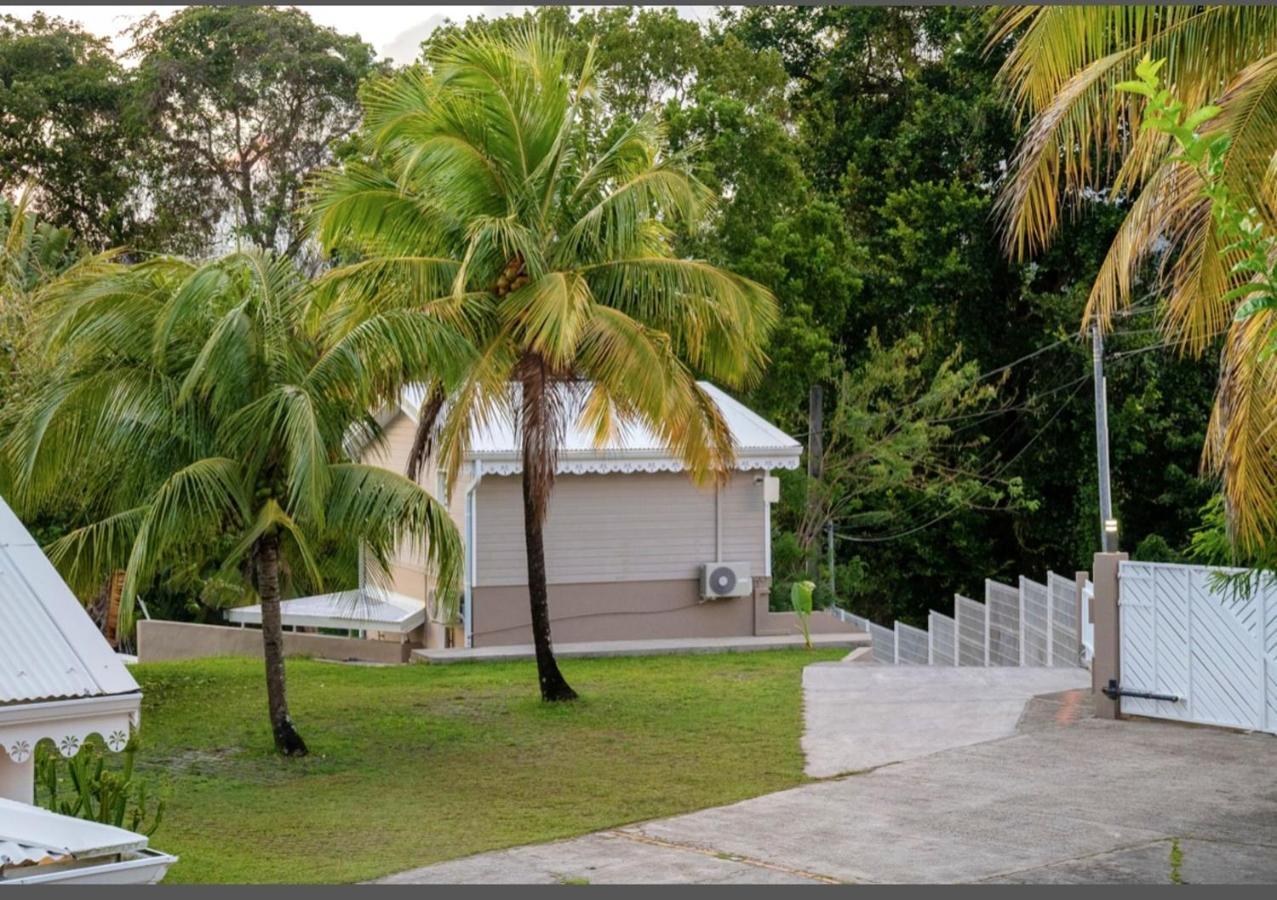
(859,717)
(1061,797)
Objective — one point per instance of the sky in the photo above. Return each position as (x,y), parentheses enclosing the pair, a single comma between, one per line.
(394,31)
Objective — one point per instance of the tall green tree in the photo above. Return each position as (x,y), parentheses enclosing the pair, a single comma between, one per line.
(240,104)
(197,405)
(485,198)
(898,458)
(729,104)
(63,129)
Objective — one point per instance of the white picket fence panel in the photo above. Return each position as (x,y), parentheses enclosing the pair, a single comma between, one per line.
(1066,642)
(942,639)
(1214,648)
(883,643)
(973,627)
(1033,625)
(1003,603)
(911,645)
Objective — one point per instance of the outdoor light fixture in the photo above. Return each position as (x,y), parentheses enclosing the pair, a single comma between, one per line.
(1110,536)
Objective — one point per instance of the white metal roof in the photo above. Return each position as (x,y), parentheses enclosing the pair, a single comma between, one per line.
(636,448)
(49,647)
(352,610)
(33,836)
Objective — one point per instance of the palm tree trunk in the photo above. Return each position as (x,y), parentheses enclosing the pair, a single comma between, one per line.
(266,561)
(538,474)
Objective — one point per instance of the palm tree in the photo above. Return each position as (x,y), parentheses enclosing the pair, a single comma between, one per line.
(1083,139)
(32,253)
(196,404)
(484,199)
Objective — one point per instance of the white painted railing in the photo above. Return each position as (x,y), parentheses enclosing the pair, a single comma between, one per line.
(1034,624)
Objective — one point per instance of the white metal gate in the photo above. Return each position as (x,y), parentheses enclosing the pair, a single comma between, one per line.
(1214,649)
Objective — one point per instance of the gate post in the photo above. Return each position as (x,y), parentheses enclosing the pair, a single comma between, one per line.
(1106,665)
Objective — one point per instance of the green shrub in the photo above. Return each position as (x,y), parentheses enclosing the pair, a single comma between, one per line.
(1155,548)
(85,788)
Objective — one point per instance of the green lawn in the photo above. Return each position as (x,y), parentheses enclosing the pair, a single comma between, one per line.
(415,764)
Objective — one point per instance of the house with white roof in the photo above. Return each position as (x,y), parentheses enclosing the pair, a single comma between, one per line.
(634,548)
(59,682)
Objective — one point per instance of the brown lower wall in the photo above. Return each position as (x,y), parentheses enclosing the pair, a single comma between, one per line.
(770,623)
(158,640)
(631,611)
(821,622)
(613,611)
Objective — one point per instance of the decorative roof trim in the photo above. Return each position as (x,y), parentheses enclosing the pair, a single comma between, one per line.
(68,723)
(602,465)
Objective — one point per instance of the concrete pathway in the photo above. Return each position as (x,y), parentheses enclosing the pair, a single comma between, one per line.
(657,647)
(1066,798)
(859,717)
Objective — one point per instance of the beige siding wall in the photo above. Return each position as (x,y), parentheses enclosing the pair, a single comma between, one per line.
(623,552)
(408,575)
(619,527)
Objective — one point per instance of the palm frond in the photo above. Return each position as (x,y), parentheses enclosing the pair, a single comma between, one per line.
(1062,71)
(87,555)
(639,378)
(271,517)
(1241,443)
(718,320)
(207,491)
(286,422)
(549,316)
(383,352)
(385,511)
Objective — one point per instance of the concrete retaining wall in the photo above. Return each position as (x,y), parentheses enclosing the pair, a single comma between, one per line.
(158,640)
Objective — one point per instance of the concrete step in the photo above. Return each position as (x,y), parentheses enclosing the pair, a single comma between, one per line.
(662,647)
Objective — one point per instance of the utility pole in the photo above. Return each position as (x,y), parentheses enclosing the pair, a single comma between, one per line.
(1108,525)
(833,581)
(815,451)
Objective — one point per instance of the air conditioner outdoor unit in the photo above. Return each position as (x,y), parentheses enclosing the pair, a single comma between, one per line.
(725,579)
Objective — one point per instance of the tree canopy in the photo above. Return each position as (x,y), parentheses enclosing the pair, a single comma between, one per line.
(856,157)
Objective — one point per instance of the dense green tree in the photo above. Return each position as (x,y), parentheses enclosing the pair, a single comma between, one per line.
(856,155)
(241,103)
(897,457)
(63,97)
(815,268)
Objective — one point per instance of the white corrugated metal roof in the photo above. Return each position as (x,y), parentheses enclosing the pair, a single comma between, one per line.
(30,835)
(352,610)
(49,647)
(759,444)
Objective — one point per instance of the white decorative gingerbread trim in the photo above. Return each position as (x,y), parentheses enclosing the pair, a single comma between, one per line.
(68,723)
(605,466)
